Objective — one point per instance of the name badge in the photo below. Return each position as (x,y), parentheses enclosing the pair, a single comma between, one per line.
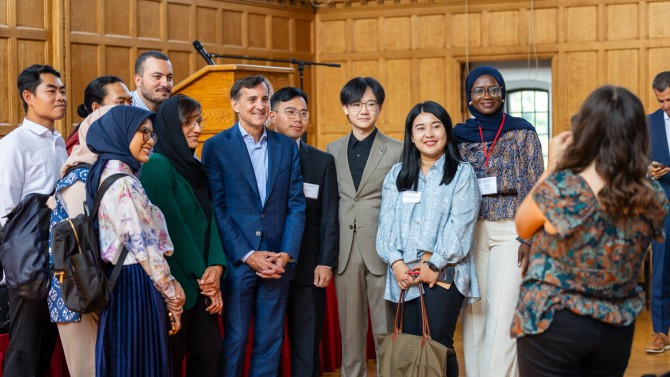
(411,197)
(488,185)
(311,190)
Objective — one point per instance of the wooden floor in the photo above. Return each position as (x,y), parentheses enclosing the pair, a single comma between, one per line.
(640,362)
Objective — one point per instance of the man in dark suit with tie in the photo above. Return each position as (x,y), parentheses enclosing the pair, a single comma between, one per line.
(659,132)
(256,191)
(320,240)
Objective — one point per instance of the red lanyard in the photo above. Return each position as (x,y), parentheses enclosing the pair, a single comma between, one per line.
(487,152)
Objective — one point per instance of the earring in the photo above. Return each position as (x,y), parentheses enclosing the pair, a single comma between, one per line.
(470,103)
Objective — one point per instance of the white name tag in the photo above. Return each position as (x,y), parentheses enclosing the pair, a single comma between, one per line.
(411,197)
(311,190)
(488,185)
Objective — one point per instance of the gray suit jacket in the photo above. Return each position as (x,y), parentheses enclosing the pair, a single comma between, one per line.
(359,210)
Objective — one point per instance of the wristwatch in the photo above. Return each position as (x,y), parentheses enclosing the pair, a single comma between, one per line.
(432,266)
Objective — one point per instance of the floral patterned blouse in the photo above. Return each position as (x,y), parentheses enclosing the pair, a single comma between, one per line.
(127,218)
(591,265)
(516,162)
(57,309)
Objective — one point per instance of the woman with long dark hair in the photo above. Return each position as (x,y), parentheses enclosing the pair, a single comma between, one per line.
(133,328)
(176,181)
(428,214)
(506,154)
(592,214)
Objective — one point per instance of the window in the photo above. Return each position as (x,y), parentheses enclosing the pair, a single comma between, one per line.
(532,105)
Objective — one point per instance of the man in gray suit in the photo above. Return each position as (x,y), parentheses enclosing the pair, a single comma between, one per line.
(362,160)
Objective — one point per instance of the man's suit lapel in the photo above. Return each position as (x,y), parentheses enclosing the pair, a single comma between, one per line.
(275,155)
(661,138)
(239,154)
(376,154)
(342,164)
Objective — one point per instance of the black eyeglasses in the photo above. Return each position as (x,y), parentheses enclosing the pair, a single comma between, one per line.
(148,134)
(480,92)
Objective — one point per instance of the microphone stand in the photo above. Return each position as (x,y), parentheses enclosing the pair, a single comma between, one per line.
(300,63)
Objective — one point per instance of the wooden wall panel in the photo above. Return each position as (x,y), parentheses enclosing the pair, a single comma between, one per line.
(366,35)
(334,37)
(622,21)
(149,19)
(582,76)
(431,31)
(257,30)
(31,14)
(117,17)
(580,25)
(397,33)
(622,69)
(657,16)
(398,95)
(459,24)
(545,25)
(206,27)
(303,35)
(502,28)
(281,30)
(232,28)
(178,17)
(4,20)
(7,83)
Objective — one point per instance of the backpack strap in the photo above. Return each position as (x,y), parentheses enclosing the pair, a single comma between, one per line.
(111,282)
(81,165)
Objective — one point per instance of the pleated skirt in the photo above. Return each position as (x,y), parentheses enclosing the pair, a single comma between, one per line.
(133,329)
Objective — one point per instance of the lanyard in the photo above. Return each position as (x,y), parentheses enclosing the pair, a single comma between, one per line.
(487,152)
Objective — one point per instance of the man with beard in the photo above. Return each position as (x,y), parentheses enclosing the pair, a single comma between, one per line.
(153,80)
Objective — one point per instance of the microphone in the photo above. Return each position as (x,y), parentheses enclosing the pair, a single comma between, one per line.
(201,50)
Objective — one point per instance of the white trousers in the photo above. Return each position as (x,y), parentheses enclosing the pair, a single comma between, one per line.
(488,349)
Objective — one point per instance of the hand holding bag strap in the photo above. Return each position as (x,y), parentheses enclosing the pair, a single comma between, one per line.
(111,282)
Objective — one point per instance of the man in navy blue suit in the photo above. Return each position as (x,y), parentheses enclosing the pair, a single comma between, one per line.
(659,131)
(257,194)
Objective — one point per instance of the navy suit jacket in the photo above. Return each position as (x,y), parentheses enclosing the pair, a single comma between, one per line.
(659,146)
(242,219)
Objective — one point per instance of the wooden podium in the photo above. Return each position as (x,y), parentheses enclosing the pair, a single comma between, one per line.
(211,87)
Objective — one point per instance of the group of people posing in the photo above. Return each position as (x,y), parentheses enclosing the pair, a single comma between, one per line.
(259,227)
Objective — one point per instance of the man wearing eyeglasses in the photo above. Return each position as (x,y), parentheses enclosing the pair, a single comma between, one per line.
(319,246)
(362,160)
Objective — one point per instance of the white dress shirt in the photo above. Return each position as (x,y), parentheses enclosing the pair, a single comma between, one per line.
(666,118)
(30,160)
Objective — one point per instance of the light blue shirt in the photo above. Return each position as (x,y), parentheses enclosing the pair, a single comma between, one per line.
(666,119)
(442,222)
(258,153)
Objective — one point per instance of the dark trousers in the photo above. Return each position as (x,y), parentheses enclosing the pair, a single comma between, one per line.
(443,307)
(199,338)
(306,307)
(32,337)
(660,283)
(247,296)
(575,345)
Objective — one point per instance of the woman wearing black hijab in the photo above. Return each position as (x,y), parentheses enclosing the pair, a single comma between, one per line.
(507,156)
(176,181)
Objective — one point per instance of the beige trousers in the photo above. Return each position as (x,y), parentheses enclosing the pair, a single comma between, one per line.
(78,340)
(488,349)
(356,287)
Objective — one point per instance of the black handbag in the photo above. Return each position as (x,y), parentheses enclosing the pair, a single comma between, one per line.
(77,261)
